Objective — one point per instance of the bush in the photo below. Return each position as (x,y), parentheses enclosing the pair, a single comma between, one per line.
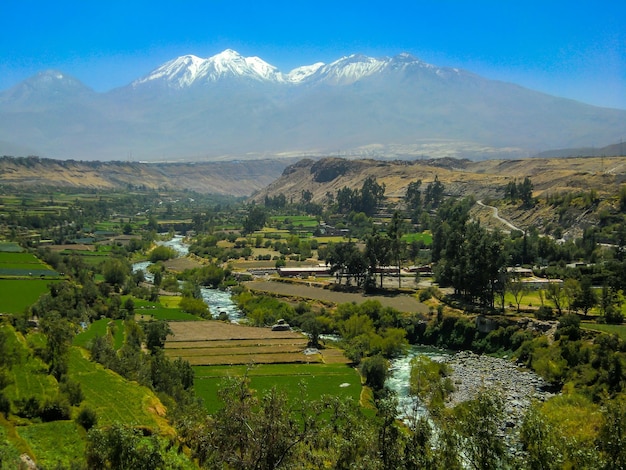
(56,409)
(87,418)
(374,369)
(544,313)
(72,390)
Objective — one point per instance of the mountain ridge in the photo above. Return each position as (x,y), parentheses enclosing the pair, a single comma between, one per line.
(229,106)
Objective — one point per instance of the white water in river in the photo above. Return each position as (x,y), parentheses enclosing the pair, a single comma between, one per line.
(400,377)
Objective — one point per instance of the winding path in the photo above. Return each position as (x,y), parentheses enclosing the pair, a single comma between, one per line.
(497,216)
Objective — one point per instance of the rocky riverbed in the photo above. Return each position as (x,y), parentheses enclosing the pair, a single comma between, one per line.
(473,374)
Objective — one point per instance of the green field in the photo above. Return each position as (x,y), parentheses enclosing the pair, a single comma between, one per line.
(619,330)
(23,265)
(29,375)
(145,310)
(18,294)
(296,220)
(318,379)
(113,398)
(426,238)
(101,328)
(54,443)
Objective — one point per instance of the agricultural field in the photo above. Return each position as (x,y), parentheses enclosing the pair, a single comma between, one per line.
(23,279)
(218,343)
(166,309)
(296,221)
(114,399)
(29,375)
(23,265)
(56,443)
(218,350)
(312,380)
(16,295)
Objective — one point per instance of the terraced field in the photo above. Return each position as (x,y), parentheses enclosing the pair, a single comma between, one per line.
(219,343)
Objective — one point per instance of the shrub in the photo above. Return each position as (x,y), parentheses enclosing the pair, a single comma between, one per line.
(374,369)
(56,409)
(87,418)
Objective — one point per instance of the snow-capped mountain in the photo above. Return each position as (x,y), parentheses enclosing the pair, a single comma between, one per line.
(190,70)
(230,105)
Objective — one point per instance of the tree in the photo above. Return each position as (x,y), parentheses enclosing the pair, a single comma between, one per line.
(433,196)
(248,433)
(612,435)
(571,291)
(413,200)
(115,272)
(525,192)
(430,381)
(555,293)
(59,334)
(477,423)
(540,442)
(156,334)
(375,371)
(585,298)
(518,289)
(122,447)
(377,251)
(395,232)
(255,220)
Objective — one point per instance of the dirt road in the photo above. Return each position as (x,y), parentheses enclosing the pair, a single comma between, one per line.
(402,302)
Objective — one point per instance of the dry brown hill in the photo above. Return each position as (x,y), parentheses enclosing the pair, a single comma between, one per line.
(237,178)
(482,179)
(485,180)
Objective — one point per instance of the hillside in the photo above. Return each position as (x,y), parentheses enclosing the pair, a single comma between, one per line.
(237,178)
(484,180)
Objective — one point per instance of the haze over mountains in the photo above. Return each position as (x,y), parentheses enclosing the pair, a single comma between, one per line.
(229,106)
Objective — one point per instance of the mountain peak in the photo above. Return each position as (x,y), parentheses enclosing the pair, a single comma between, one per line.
(190,70)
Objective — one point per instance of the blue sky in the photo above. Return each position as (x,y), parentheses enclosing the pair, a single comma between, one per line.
(574,49)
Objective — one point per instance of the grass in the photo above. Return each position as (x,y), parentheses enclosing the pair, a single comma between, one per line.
(146,310)
(18,294)
(619,330)
(427,238)
(19,258)
(58,443)
(317,379)
(29,375)
(101,328)
(296,220)
(113,398)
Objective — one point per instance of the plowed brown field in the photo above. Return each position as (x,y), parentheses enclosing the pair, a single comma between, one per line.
(220,343)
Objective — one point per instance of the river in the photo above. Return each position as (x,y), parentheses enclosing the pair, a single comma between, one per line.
(473,374)
(218,300)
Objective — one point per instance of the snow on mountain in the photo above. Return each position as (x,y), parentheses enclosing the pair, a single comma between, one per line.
(300,74)
(188,70)
(349,69)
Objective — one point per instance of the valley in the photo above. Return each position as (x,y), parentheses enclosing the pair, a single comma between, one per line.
(360,261)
